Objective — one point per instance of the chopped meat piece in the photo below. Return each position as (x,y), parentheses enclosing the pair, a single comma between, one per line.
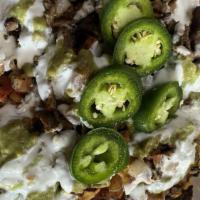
(89,42)
(157,159)
(195,31)
(156,196)
(89,195)
(54,13)
(162,9)
(181,191)
(172,4)
(87,27)
(103,194)
(16,97)
(48,121)
(1,69)
(116,187)
(5,88)
(12,25)
(185,39)
(21,83)
(50,103)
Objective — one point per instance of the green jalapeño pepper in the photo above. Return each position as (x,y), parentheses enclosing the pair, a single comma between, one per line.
(99,155)
(158,104)
(144,44)
(118,13)
(112,96)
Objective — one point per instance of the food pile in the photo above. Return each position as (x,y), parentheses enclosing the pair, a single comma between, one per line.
(100,99)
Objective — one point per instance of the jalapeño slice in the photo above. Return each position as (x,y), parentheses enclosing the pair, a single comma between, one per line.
(118,13)
(112,96)
(158,104)
(144,44)
(99,155)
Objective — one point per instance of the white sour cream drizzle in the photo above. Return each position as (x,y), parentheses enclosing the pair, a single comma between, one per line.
(62,80)
(72,83)
(173,167)
(67,81)
(100,60)
(60,83)
(51,166)
(5,6)
(41,167)
(7,45)
(40,73)
(36,10)
(12,112)
(28,46)
(183,14)
(174,72)
(183,11)
(7,48)
(50,149)
(69,113)
(86,9)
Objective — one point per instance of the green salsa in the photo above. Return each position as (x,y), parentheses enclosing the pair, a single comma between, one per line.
(15,140)
(190,71)
(20,9)
(144,148)
(39,24)
(61,57)
(46,195)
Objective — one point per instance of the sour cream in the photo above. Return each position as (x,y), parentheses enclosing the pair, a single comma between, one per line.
(30,46)
(40,73)
(7,48)
(182,15)
(12,112)
(173,167)
(41,167)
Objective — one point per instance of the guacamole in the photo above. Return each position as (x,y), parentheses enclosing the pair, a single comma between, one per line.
(46,195)
(15,139)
